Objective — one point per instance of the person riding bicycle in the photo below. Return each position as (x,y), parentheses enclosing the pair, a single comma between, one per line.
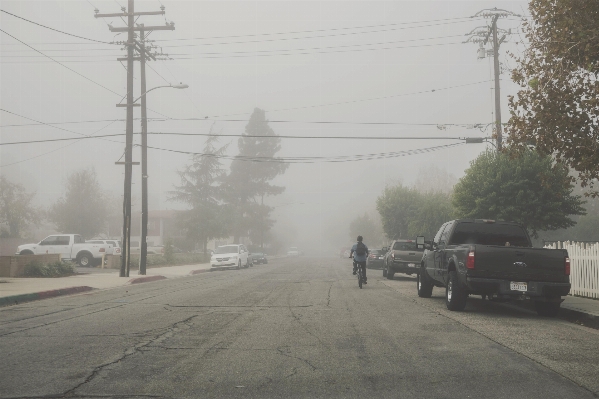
(361,253)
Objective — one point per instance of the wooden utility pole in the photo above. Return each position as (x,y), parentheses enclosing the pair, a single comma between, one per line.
(130,13)
(497,93)
(481,35)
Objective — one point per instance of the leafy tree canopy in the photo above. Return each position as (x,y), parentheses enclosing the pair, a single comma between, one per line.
(83,208)
(557,107)
(367,227)
(16,210)
(528,189)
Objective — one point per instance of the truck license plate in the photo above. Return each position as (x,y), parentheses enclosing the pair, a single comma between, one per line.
(516,286)
(411,265)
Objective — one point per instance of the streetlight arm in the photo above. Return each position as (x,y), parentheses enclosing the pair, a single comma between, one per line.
(179,86)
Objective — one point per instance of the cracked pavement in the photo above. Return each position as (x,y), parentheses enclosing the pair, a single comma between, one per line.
(298,328)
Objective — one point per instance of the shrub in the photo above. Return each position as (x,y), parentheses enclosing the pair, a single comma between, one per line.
(56,269)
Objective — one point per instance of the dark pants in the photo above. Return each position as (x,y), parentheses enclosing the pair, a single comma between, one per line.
(363,264)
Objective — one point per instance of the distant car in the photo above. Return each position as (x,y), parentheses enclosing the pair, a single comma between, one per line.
(376,259)
(402,257)
(293,251)
(114,246)
(258,257)
(231,256)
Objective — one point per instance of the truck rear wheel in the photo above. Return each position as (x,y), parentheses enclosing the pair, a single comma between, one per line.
(425,287)
(455,296)
(548,309)
(26,252)
(384,271)
(390,274)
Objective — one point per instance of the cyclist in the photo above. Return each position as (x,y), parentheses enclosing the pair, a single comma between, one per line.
(361,253)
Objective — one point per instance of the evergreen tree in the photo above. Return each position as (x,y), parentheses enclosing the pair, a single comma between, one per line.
(251,174)
(200,188)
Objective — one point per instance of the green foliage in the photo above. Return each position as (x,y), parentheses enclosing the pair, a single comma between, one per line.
(83,208)
(56,269)
(16,211)
(525,188)
(367,227)
(406,213)
(169,251)
(557,107)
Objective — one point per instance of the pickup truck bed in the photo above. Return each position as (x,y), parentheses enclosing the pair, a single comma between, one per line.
(465,257)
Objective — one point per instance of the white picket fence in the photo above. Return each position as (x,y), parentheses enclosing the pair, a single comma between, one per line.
(584,267)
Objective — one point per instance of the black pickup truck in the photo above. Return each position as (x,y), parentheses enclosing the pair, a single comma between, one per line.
(495,260)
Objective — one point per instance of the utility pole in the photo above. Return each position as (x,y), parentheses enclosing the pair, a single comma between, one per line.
(144,156)
(130,13)
(481,35)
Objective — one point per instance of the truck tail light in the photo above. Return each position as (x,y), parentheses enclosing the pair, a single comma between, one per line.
(102,249)
(470,260)
(393,255)
(567,266)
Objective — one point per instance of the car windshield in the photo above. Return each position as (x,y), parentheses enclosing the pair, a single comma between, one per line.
(405,246)
(227,249)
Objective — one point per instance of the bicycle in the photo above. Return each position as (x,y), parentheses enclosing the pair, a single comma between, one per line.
(359,273)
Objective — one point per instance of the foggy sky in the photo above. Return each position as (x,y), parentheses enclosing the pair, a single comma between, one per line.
(227,82)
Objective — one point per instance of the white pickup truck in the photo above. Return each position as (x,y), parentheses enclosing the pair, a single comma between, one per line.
(69,246)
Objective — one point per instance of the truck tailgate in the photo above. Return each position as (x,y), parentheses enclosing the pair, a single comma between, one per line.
(519,264)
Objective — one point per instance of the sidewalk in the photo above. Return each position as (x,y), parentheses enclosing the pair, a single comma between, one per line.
(18,290)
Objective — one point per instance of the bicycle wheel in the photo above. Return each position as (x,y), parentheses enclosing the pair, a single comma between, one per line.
(360,277)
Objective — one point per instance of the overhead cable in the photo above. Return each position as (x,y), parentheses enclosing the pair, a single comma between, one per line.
(55,30)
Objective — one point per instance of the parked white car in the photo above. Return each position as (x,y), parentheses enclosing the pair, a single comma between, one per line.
(293,251)
(232,256)
(114,246)
(69,246)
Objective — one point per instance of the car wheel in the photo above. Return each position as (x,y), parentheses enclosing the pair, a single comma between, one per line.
(26,252)
(455,296)
(384,271)
(247,263)
(265,261)
(425,287)
(548,309)
(390,274)
(84,260)
(239,265)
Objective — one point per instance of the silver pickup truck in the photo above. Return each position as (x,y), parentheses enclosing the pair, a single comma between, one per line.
(403,256)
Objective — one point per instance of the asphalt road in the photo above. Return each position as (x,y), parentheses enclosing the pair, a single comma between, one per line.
(295,328)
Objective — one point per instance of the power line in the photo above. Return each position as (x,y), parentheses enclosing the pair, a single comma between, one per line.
(290,109)
(43,123)
(464,19)
(55,30)
(350,158)
(60,63)
(261,51)
(57,149)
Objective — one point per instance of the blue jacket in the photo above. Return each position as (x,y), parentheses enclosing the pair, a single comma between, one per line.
(358,258)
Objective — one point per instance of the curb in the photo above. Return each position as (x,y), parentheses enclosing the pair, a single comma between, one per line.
(579,317)
(191,273)
(17,299)
(145,279)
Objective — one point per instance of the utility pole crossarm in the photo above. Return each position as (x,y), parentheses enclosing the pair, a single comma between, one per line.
(124,14)
(171,26)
